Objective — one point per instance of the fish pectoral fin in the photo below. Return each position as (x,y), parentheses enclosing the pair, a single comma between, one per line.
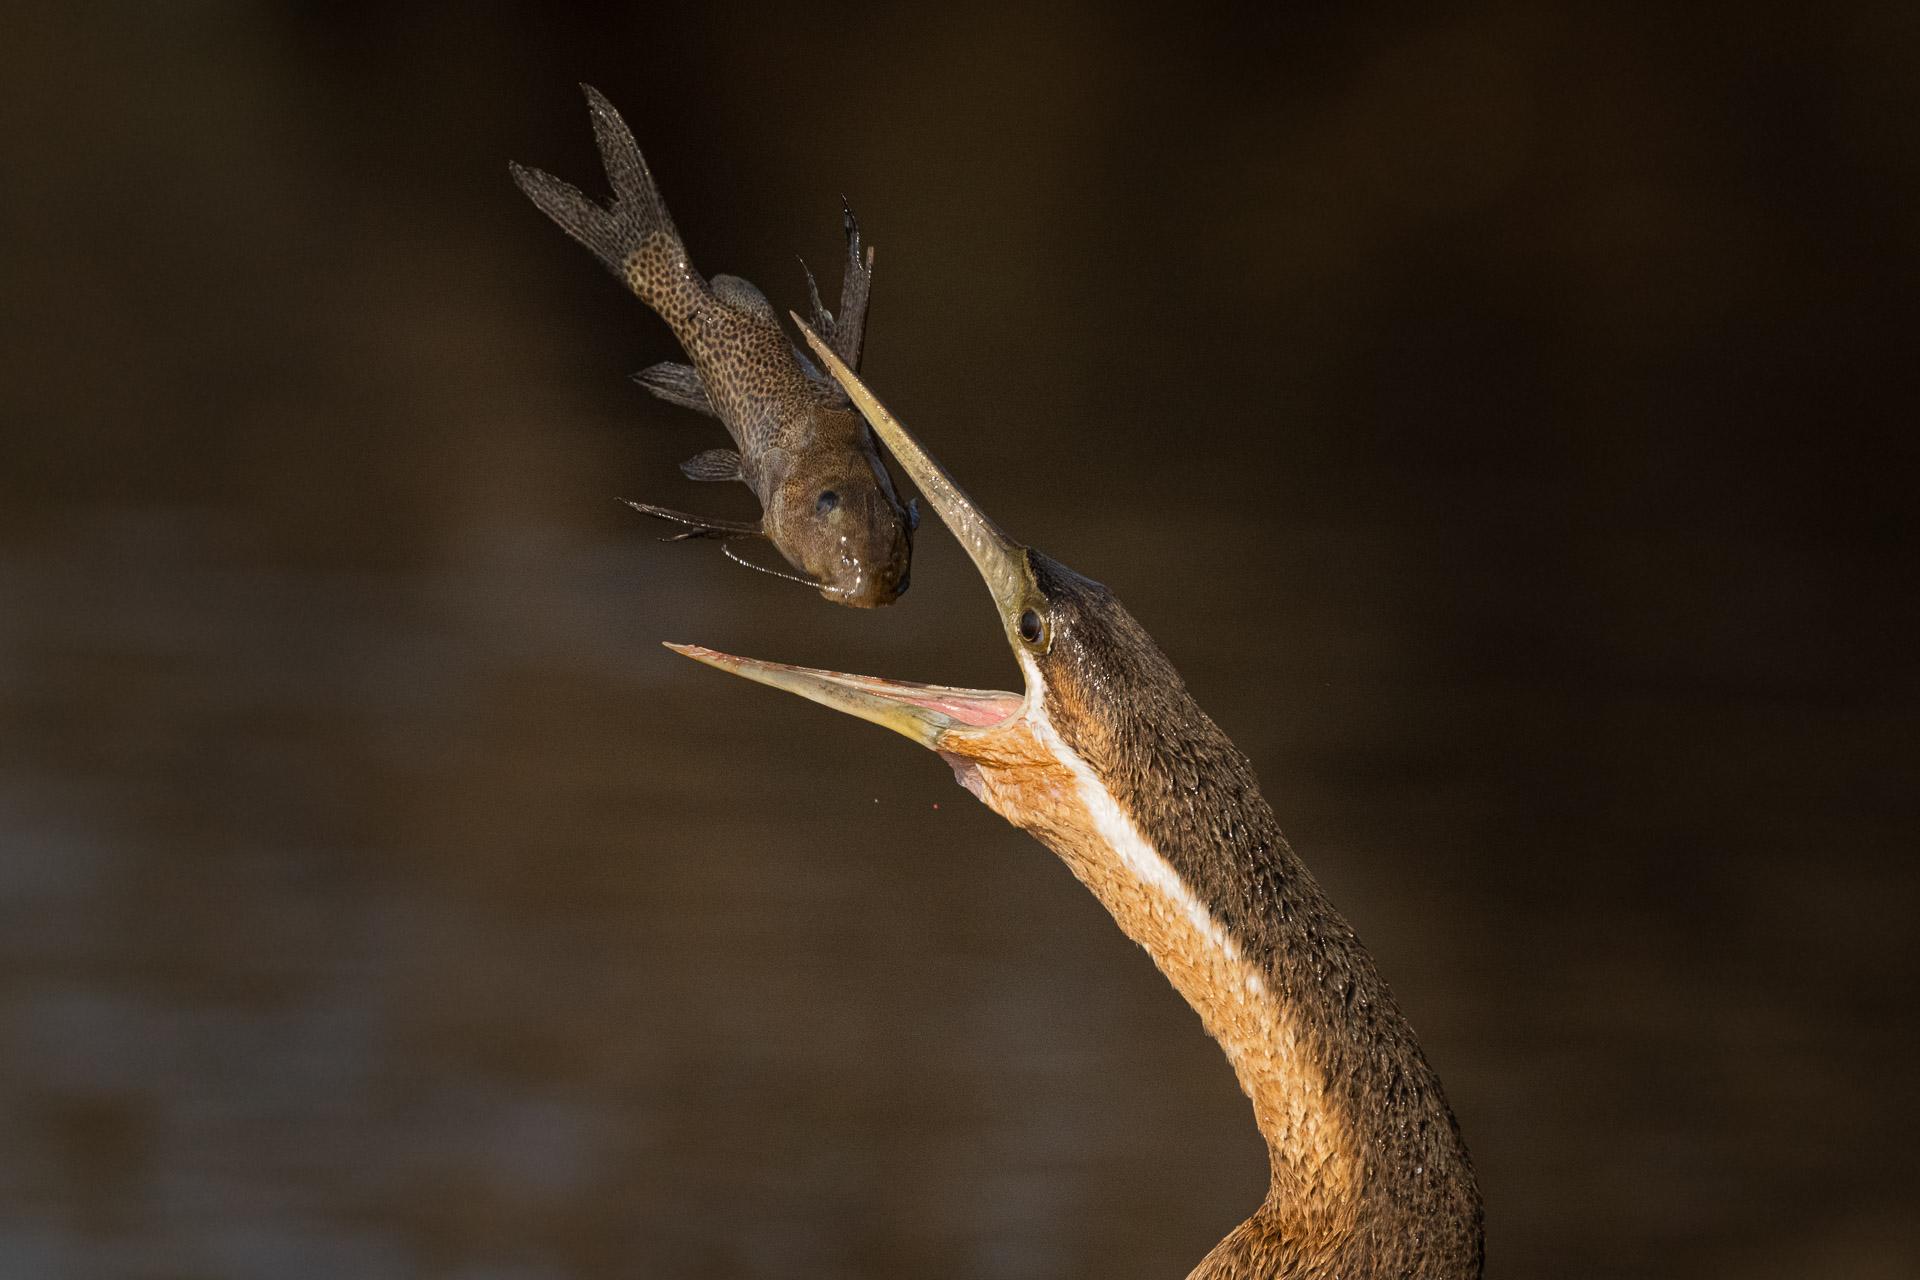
(714,464)
(677,384)
(845,333)
(815,376)
(698,526)
(822,324)
(822,318)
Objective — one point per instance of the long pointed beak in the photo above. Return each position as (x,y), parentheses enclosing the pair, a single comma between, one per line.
(1000,560)
(924,712)
(955,721)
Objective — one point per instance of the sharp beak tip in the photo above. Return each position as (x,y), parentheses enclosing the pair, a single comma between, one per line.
(700,653)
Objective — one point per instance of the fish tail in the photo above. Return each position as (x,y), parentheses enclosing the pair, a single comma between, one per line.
(632,235)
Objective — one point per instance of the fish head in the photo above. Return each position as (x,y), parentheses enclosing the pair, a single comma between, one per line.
(837,519)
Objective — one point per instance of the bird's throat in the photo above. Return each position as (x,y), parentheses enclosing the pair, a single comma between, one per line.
(1036,781)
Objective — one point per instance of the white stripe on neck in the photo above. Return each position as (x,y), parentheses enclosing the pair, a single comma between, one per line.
(1136,853)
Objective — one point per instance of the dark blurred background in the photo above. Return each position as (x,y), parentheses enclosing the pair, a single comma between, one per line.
(1491,408)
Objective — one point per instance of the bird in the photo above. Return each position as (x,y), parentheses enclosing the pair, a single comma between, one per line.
(1107,759)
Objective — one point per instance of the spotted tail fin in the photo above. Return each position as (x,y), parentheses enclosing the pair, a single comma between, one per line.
(632,235)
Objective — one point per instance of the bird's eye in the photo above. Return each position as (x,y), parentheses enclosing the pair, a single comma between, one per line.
(827,501)
(1031,628)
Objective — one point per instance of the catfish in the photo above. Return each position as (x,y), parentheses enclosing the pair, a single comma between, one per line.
(827,501)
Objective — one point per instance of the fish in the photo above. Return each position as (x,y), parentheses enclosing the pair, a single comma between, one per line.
(828,503)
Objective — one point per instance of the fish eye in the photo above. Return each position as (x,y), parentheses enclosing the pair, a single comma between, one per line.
(827,501)
(1031,627)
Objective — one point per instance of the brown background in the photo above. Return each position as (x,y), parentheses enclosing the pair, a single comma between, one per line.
(1490,408)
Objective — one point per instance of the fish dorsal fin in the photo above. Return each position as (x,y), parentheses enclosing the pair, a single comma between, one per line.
(677,384)
(744,296)
(714,464)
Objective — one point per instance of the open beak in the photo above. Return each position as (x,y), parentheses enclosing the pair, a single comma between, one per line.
(933,715)
(927,713)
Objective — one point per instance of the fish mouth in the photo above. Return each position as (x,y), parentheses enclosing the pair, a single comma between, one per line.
(865,588)
(952,721)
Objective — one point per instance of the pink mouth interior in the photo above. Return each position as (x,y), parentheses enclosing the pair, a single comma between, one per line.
(978,711)
(975,708)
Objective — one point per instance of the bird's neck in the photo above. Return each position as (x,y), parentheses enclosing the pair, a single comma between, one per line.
(1042,786)
(1362,1149)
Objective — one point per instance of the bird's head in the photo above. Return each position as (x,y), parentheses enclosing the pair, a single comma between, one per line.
(1081,654)
(1108,762)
